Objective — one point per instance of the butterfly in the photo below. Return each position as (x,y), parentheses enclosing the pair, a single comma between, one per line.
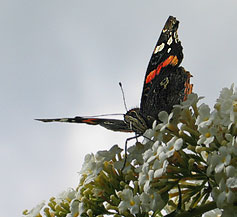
(166,84)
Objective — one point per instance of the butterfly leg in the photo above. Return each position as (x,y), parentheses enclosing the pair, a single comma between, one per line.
(125,149)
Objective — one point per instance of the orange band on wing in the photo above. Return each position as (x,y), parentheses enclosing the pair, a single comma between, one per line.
(188,87)
(90,121)
(171,60)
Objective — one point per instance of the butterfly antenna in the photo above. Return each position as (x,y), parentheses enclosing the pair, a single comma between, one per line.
(96,116)
(124,102)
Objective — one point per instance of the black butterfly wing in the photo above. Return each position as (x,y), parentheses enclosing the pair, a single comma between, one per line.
(110,124)
(165,82)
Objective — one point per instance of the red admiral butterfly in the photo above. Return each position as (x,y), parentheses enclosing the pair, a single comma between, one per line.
(166,84)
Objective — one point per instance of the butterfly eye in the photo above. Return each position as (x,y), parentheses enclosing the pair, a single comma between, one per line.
(164,82)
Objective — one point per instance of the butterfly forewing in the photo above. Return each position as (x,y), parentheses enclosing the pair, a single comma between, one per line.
(164,83)
(110,124)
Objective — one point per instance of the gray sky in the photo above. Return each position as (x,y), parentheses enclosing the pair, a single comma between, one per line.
(65,58)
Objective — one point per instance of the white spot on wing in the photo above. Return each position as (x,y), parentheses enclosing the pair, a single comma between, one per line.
(168,50)
(169,42)
(63,120)
(176,37)
(159,48)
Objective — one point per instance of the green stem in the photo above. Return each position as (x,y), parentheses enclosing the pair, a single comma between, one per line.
(198,210)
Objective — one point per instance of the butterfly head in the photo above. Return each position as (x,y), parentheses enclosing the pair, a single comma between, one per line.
(135,121)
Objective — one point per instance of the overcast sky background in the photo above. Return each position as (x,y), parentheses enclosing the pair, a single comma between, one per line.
(65,58)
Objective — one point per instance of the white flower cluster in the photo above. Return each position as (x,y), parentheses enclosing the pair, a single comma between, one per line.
(93,164)
(222,125)
(217,131)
